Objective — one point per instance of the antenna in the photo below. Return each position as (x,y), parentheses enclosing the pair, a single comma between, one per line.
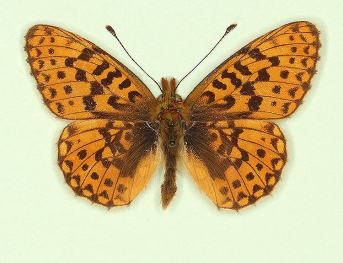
(228,30)
(111,30)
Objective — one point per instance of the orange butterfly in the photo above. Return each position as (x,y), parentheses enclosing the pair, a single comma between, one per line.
(221,129)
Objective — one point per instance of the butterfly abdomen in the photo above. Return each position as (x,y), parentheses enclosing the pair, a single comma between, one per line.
(168,188)
(171,133)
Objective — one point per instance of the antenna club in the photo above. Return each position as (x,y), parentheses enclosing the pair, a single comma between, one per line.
(230,28)
(111,30)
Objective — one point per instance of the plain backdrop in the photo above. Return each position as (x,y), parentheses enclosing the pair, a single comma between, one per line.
(41,220)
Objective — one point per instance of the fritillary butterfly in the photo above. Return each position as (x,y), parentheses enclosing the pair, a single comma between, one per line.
(222,129)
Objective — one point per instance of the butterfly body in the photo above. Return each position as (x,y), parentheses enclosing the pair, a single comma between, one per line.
(171,129)
(222,130)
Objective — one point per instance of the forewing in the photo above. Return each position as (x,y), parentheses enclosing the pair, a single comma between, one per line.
(108,162)
(235,162)
(79,80)
(266,79)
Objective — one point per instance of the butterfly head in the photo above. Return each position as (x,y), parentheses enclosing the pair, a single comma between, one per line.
(169,98)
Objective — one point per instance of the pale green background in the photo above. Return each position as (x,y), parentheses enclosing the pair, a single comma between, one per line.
(42,221)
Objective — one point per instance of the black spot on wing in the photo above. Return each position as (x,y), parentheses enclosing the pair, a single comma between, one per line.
(304,62)
(236,184)
(284,74)
(244,70)
(276,89)
(101,68)
(82,154)
(80,75)
(68,89)
(256,54)
(209,95)
(233,78)
(125,84)
(229,101)
(86,54)
(274,60)
(60,108)
(110,76)
(249,176)
(292,91)
(113,102)
(69,62)
(89,103)
(95,176)
(133,94)
(248,89)
(261,153)
(108,182)
(218,85)
(285,107)
(40,63)
(263,75)
(254,103)
(96,88)
(53,93)
(61,74)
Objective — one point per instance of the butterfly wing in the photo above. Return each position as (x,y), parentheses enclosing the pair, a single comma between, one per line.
(231,152)
(109,162)
(111,154)
(235,162)
(79,80)
(266,79)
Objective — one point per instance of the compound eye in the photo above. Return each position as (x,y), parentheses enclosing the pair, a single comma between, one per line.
(159,98)
(178,98)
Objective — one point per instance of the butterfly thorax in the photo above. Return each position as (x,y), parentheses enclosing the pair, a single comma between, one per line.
(170,130)
(169,119)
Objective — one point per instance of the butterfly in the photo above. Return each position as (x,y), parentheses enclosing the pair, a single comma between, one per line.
(222,130)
